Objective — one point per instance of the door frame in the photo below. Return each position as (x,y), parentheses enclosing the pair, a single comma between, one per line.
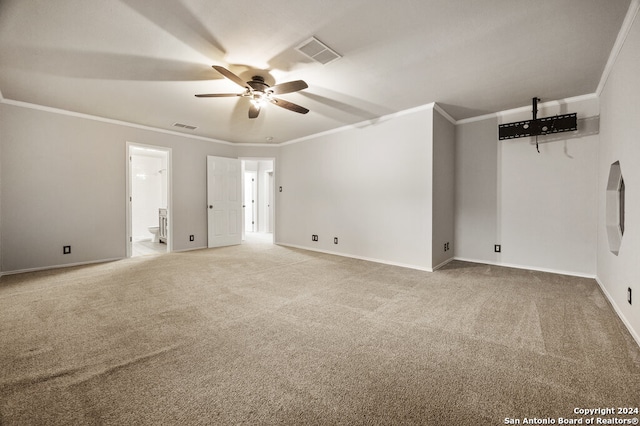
(273,190)
(129,202)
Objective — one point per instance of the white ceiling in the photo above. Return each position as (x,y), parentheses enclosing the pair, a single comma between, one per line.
(142,61)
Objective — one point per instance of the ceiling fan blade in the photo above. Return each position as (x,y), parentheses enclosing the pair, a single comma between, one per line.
(219,95)
(254,111)
(289,105)
(231,76)
(291,86)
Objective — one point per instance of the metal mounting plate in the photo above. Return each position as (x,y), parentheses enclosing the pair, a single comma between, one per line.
(538,127)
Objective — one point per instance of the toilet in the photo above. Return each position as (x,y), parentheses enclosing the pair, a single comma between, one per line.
(154,231)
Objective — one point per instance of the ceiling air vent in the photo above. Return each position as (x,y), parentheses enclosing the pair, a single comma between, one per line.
(317,51)
(184,126)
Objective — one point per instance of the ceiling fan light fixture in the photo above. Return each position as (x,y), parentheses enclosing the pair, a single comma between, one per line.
(259,98)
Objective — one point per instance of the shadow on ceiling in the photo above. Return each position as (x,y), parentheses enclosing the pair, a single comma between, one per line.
(174,18)
(335,105)
(107,66)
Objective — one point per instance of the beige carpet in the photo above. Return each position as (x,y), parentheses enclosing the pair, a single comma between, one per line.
(262,334)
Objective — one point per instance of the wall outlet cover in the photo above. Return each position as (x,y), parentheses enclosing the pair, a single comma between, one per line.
(66,249)
(497,248)
(191,238)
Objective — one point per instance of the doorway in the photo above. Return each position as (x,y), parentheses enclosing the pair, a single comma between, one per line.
(249,204)
(148,200)
(258,175)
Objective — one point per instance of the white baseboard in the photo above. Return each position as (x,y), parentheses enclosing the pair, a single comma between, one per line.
(188,249)
(368,259)
(618,311)
(65,265)
(451,259)
(527,267)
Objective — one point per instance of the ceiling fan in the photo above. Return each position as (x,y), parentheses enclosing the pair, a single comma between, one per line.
(260,93)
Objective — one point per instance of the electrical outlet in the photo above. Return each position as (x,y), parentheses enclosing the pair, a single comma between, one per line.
(192,238)
(497,248)
(280,189)
(66,249)
(446,246)
(314,237)
(335,240)
(629,295)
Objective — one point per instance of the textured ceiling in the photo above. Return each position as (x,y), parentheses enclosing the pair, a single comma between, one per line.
(142,61)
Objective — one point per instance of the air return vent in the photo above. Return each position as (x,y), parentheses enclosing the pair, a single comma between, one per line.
(184,126)
(318,51)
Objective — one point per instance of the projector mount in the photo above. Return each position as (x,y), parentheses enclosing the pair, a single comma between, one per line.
(538,126)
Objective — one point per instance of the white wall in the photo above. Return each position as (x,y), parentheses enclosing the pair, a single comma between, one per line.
(620,141)
(544,214)
(63,183)
(147,190)
(369,186)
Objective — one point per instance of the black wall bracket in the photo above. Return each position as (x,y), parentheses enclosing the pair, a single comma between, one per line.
(538,126)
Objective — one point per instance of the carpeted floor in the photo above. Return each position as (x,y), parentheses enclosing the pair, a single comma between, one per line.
(263,334)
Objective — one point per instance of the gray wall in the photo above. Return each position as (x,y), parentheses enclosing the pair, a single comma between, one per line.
(443,190)
(370,186)
(540,207)
(377,187)
(63,183)
(620,141)
(476,190)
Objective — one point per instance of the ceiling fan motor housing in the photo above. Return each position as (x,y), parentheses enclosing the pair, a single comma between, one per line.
(257,83)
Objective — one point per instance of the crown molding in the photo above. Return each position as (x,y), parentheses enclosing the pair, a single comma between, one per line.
(364,123)
(444,113)
(632,12)
(527,108)
(60,111)
(108,120)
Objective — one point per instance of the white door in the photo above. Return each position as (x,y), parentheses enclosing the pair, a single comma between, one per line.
(224,202)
